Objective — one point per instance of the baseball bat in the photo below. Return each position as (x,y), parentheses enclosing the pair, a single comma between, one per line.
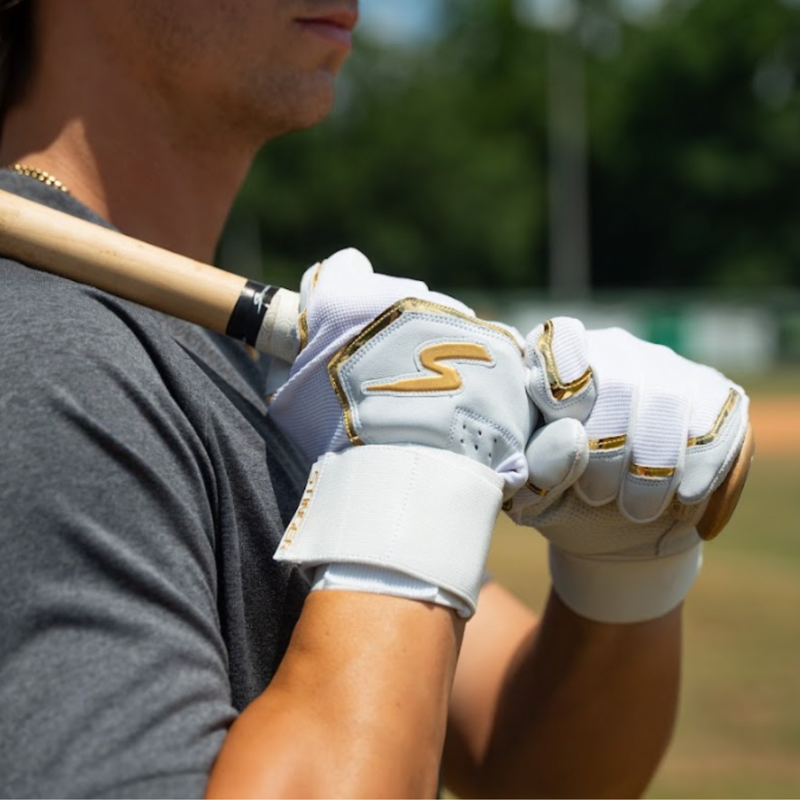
(263,316)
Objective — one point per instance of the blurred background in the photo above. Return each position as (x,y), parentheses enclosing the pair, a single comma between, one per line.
(629,162)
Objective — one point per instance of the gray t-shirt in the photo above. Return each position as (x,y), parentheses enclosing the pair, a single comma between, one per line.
(143,491)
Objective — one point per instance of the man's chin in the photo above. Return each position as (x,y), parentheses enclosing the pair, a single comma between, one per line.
(303,116)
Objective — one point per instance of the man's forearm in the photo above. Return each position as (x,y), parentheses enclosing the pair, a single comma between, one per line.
(357,708)
(582,709)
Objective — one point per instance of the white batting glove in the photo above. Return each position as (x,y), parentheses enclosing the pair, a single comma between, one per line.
(660,434)
(438,399)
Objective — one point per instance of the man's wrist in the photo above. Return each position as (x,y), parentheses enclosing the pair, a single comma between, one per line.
(624,591)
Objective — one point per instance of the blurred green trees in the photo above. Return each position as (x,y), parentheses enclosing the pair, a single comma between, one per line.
(434,162)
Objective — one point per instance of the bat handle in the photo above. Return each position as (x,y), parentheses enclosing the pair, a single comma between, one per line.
(266,317)
(723,502)
(280,332)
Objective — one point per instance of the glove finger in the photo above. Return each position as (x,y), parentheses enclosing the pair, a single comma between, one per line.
(560,380)
(345,265)
(657,453)
(714,443)
(603,476)
(609,445)
(341,296)
(346,281)
(557,455)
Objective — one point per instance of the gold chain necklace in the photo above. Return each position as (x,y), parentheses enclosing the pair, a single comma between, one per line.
(40,175)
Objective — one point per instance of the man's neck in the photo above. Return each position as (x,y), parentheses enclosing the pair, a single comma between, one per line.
(133,161)
(147,187)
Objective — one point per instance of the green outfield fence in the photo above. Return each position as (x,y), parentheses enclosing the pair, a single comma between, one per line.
(744,333)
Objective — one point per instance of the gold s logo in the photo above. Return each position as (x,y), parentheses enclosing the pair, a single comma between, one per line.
(446,377)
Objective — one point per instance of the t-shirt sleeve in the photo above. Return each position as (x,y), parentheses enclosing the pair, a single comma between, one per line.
(113,668)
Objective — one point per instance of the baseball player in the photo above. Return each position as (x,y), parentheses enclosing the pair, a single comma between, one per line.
(213,585)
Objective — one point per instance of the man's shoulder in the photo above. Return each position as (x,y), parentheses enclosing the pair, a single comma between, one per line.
(45,316)
(44,311)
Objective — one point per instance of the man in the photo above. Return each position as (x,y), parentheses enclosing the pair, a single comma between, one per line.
(152,644)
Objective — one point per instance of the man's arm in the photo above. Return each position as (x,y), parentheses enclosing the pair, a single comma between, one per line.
(359,704)
(357,708)
(560,707)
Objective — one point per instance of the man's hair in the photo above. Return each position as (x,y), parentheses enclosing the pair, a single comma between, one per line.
(16,35)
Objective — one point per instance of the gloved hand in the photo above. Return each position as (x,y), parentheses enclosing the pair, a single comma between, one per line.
(372,370)
(659,436)
(438,399)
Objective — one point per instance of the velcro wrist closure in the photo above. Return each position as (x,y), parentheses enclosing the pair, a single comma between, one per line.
(423,512)
(624,591)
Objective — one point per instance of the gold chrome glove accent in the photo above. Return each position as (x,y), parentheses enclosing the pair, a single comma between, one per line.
(609,443)
(302,320)
(651,472)
(730,403)
(302,331)
(559,389)
(315,276)
(531,487)
(536,489)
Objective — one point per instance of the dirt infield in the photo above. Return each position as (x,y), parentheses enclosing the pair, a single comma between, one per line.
(776,425)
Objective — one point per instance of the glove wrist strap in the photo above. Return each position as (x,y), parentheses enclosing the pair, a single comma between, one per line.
(624,591)
(428,514)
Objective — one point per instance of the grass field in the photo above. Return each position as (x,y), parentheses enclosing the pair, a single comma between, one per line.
(738,733)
